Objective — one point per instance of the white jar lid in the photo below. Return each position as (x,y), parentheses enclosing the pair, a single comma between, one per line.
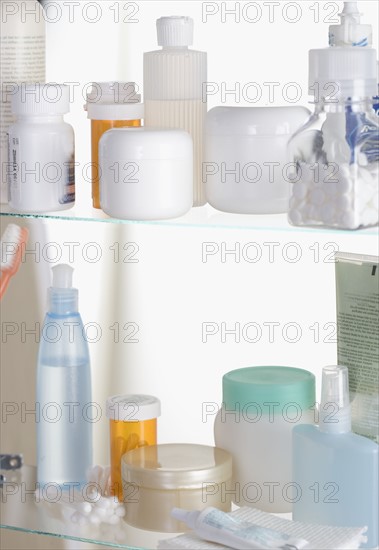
(176,466)
(145,143)
(133,408)
(255,121)
(41,99)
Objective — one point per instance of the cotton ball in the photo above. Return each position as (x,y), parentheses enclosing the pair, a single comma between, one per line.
(369,217)
(94,518)
(343,203)
(374,203)
(328,214)
(295,217)
(120,511)
(103,502)
(331,189)
(84,508)
(310,213)
(300,191)
(349,221)
(317,197)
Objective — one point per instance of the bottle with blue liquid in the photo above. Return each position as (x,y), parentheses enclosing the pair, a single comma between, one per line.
(64,428)
(336,471)
(336,154)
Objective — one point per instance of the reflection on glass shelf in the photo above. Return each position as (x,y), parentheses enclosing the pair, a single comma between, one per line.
(205,216)
(19,511)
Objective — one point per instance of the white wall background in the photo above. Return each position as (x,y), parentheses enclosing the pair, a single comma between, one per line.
(170,292)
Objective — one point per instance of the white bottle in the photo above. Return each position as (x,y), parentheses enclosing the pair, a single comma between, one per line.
(41,150)
(173,88)
(22,60)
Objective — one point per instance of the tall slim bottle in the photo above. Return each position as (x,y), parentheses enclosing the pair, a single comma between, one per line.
(64,429)
(173,88)
(22,60)
(335,471)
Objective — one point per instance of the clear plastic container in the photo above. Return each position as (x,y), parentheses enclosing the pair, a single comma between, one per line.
(63,394)
(261,405)
(336,154)
(132,424)
(159,478)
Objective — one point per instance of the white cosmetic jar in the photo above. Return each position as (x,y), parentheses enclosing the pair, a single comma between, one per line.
(246,167)
(146,173)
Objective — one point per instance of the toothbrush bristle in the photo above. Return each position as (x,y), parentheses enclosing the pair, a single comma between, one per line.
(10,243)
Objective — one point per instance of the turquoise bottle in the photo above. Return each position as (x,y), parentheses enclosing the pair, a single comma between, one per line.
(335,471)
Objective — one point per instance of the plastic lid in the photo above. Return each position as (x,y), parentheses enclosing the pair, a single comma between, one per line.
(255,121)
(175,31)
(133,408)
(342,72)
(114,101)
(260,385)
(350,32)
(41,99)
(176,466)
(62,298)
(134,144)
(335,410)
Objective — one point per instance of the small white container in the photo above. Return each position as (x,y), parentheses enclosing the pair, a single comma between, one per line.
(158,478)
(146,173)
(245,166)
(41,175)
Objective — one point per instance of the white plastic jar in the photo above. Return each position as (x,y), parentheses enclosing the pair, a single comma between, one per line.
(41,170)
(246,159)
(146,173)
(260,407)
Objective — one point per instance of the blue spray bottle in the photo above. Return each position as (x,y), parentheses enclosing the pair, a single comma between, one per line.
(336,471)
(64,429)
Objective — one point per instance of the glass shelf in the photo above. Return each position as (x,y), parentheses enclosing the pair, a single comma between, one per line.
(19,511)
(203,217)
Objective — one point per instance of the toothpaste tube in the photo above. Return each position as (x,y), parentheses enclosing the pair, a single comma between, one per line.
(216,526)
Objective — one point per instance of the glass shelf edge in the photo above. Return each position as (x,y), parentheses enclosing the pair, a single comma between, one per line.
(200,218)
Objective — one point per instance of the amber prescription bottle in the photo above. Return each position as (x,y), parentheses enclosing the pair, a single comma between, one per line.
(133,423)
(110,105)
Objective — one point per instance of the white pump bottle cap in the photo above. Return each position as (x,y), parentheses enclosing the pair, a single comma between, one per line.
(350,32)
(62,276)
(175,31)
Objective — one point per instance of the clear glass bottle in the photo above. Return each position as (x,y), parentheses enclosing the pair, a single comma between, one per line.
(335,471)
(173,88)
(64,427)
(336,153)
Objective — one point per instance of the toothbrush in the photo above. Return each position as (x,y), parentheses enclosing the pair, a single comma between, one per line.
(12,243)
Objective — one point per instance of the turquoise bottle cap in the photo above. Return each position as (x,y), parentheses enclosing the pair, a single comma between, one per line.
(263,385)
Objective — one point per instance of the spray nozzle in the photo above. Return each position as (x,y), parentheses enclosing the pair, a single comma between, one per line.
(335,415)
(62,276)
(350,32)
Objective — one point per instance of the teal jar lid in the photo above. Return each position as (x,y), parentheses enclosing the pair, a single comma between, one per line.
(260,385)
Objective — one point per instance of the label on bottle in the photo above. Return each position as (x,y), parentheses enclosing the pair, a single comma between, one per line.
(68,195)
(13,166)
(358,344)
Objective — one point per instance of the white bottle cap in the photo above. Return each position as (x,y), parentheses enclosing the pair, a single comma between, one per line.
(62,297)
(342,72)
(175,31)
(347,68)
(41,99)
(114,101)
(133,408)
(335,410)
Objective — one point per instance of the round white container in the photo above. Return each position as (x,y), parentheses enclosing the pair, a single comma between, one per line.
(146,173)
(246,158)
(260,407)
(158,478)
